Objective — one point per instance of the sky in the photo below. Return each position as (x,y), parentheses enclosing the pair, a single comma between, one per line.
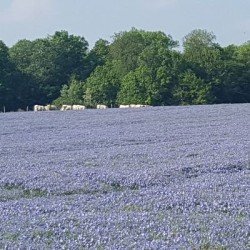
(229,20)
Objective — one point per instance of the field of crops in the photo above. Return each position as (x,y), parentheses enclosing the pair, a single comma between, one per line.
(149,178)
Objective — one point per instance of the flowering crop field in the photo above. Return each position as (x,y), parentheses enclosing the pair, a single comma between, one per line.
(149,178)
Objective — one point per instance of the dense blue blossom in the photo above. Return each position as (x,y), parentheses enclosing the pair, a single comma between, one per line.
(153,178)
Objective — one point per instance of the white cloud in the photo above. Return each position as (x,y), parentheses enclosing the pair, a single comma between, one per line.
(25,10)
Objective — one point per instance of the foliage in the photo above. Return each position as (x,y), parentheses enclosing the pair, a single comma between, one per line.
(4,68)
(128,46)
(137,66)
(234,75)
(13,84)
(192,90)
(98,55)
(136,87)
(50,62)
(102,86)
(71,94)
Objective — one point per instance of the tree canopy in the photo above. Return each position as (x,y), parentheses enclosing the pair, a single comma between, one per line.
(137,66)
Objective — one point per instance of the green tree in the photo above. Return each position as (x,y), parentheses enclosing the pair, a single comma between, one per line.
(164,65)
(243,60)
(204,57)
(98,55)
(128,46)
(102,86)
(126,61)
(4,71)
(71,94)
(137,87)
(50,62)
(192,90)
(137,67)
(202,53)
(235,78)
(12,84)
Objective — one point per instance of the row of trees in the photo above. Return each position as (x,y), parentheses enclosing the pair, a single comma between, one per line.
(136,67)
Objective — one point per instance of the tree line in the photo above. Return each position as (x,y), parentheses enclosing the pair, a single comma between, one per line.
(139,67)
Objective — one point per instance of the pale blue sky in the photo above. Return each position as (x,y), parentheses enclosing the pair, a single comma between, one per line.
(94,19)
